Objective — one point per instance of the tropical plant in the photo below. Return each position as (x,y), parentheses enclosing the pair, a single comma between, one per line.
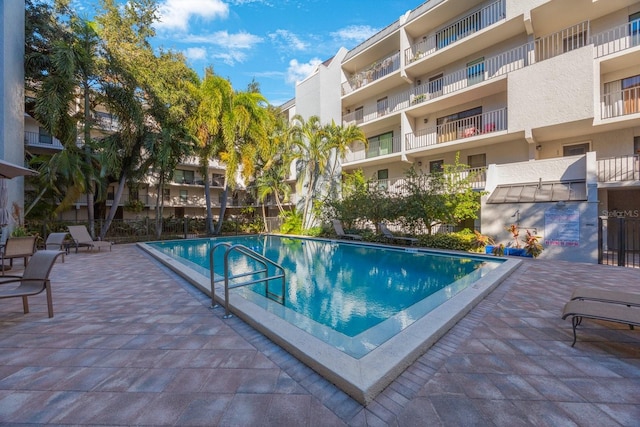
(515,233)
(532,244)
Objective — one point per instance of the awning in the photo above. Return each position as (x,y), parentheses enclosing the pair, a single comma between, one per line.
(9,170)
(556,191)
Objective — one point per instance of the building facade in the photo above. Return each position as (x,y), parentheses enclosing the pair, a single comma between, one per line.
(541,98)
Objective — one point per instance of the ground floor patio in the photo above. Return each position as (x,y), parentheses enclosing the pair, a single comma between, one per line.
(132,344)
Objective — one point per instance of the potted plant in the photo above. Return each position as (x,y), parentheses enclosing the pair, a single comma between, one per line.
(532,245)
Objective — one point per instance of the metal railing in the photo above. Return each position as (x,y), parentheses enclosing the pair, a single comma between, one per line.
(34,139)
(563,41)
(376,148)
(619,241)
(481,124)
(620,103)
(459,30)
(264,262)
(617,39)
(399,186)
(372,73)
(621,168)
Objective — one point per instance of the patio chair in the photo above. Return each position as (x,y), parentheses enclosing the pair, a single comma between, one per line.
(82,238)
(337,226)
(606,295)
(56,242)
(597,310)
(386,233)
(34,280)
(17,247)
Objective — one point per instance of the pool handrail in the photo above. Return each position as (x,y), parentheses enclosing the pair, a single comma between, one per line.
(262,260)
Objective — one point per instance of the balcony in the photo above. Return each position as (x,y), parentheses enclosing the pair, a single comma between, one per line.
(617,39)
(455,32)
(619,169)
(398,186)
(377,148)
(106,122)
(480,124)
(621,103)
(35,139)
(375,71)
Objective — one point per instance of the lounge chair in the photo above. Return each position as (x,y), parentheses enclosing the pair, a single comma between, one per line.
(56,242)
(17,247)
(389,235)
(34,280)
(611,312)
(82,238)
(605,295)
(337,226)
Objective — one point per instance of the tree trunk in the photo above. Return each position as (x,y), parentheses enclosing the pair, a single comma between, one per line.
(114,207)
(223,207)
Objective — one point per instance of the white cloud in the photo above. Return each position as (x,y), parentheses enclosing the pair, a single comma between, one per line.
(175,14)
(288,41)
(298,72)
(195,53)
(357,33)
(241,40)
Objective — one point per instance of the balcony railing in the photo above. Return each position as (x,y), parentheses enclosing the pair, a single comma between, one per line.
(399,186)
(623,168)
(481,124)
(462,28)
(563,41)
(617,39)
(621,103)
(456,81)
(34,139)
(372,73)
(376,148)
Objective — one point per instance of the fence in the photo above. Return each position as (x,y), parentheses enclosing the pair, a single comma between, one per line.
(619,241)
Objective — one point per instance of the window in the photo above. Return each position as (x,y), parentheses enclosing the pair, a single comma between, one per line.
(134,195)
(383,105)
(217,180)
(436,166)
(575,149)
(475,71)
(574,41)
(631,94)
(636,144)
(184,176)
(380,145)
(477,160)
(184,196)
(166,194)
(359,114)
(634,28)
(383,179)
(44,137)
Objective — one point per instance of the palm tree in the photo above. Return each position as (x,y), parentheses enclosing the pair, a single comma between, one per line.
(230,126)
(317,149)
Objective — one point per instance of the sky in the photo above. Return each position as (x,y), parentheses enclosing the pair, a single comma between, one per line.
(275,42)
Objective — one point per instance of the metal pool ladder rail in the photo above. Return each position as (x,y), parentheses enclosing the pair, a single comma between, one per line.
(264,263)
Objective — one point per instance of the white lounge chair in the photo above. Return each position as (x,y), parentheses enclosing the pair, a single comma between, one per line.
(81,237)
(337,226)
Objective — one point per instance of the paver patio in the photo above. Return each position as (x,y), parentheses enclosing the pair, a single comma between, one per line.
(131,343)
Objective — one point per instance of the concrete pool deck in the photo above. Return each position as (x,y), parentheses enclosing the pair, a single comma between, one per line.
(132,343)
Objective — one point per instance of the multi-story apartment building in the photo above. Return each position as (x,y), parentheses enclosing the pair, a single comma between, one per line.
(540,97)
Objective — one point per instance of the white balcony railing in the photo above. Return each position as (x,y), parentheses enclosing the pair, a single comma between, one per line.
(623,168)
(462,28)
(621,103)
(617,39)
(563,41)
(399,186)
(376,148)
(481,124)
(372,73)
(34,139)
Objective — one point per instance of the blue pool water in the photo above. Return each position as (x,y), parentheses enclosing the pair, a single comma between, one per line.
(340,290)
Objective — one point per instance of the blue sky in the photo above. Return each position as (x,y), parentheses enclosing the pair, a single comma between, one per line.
(277,42)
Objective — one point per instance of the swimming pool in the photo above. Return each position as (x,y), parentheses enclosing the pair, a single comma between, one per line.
(349,305)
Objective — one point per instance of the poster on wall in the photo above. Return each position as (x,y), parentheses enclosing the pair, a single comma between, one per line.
(562,226)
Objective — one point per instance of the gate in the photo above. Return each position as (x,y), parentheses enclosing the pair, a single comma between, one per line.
(619,241)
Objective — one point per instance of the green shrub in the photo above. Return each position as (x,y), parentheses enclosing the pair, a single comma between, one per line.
(459,241)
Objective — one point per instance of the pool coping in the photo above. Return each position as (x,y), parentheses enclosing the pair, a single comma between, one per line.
(366,377)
